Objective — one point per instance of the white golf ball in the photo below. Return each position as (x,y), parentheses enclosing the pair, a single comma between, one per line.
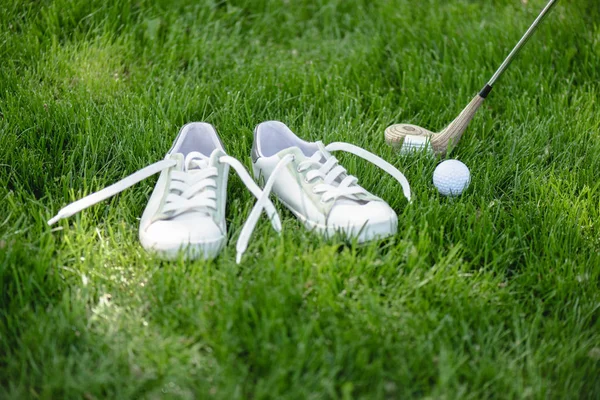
(451,177)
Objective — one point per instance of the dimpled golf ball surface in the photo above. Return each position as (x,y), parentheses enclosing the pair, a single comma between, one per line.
(451,177)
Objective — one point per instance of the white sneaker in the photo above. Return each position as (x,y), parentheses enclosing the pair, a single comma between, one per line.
(186,211)
(311,183)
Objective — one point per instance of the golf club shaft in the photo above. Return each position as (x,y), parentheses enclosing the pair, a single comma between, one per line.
(488,87)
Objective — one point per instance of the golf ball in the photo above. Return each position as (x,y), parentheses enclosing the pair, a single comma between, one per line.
(451,177)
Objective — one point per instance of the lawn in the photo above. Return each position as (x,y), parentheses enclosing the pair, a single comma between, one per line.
(494,294)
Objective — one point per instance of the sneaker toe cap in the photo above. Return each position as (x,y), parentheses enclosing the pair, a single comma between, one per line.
(367,221)
(181,232)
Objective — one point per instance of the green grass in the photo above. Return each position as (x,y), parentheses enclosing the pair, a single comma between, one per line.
(492,294)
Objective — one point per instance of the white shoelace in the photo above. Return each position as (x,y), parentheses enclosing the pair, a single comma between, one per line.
(192,188)
(330,171)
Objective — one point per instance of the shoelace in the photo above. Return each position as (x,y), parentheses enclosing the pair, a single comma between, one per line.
(330,171)
(191,188)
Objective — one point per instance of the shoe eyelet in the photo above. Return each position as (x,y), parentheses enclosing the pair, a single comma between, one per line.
(306,181)
(314,190)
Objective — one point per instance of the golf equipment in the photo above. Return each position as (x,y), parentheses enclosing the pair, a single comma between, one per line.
(397,134)
(451,178)
(413,144)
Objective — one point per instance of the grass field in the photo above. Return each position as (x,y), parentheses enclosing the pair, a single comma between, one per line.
(492,294)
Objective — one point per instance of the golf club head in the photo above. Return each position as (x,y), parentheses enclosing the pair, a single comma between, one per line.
(409,138)
(440,142)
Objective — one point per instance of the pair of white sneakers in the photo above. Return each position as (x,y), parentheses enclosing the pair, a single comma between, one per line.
(186,211)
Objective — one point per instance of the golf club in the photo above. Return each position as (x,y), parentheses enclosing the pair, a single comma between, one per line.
(413,136)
